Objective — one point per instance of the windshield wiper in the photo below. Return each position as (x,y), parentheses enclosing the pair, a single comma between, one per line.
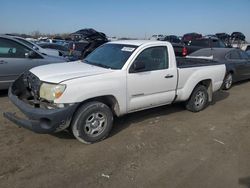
(97,64)
(86,61)
(101,65)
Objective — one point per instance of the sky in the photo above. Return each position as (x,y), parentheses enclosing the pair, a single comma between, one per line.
(127,18)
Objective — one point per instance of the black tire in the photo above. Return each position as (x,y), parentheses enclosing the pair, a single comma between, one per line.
(88,119)
(198,99)
(228,81)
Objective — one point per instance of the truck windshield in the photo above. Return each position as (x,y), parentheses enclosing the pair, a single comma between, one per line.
(112,56)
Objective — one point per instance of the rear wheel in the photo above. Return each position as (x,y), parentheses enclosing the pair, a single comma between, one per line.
(92,122)
(228,81)
(198,100)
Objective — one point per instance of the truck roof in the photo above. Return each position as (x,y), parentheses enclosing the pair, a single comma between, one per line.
(137,42)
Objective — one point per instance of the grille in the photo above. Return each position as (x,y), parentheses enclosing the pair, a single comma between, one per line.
(32,83)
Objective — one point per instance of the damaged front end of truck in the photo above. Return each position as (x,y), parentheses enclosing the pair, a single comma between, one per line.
(42,116)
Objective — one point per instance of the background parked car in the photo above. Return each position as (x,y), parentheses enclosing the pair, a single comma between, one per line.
(157,37)
(63,49)
(190,36)
(86,41)
(199,43)
(71,55)
(38,48)
(17,57)
(77,48)
(238,36)
(237,63)
(172,39)
(224,37)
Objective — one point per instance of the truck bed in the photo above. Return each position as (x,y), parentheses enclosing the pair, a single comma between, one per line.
(183,62)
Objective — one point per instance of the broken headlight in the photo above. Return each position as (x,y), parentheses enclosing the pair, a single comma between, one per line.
(51,92)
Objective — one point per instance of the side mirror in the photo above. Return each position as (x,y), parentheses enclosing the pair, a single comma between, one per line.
(31,55)
(139,66)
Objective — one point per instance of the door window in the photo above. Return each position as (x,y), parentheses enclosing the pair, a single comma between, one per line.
(154,58)
(12,49)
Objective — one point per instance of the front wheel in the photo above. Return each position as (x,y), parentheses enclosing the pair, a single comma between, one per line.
(92,122)
(228,81)
(198,100)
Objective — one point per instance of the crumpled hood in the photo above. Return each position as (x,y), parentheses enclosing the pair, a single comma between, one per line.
(56,73)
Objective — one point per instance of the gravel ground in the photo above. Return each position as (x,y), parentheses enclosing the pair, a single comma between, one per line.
(161,147)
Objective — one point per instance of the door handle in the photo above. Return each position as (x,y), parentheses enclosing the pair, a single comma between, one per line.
(169,76)
(2,62)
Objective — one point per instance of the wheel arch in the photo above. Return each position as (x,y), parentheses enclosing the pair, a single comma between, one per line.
(109,100)
(208,84)
(230,71)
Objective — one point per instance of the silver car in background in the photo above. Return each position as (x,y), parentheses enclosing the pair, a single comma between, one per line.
(51,52)
(17,57)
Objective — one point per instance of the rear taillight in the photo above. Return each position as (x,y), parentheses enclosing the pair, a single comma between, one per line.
(184,51)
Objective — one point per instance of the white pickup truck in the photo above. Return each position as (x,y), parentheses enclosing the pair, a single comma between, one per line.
(117,78)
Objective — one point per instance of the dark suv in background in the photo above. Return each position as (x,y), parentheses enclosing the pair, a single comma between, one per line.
(223,36)
(197,44)
(190,36)
(172,39)
(238,36)
(85,41)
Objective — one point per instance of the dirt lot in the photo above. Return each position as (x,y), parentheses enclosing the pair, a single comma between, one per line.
(162,147)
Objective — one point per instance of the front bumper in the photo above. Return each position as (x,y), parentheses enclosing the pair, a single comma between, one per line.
(40,120)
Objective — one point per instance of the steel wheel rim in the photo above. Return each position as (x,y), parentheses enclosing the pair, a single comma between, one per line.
(199,99)
(95,124)
(228,81)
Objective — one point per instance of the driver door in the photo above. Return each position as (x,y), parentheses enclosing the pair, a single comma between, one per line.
(153,85)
